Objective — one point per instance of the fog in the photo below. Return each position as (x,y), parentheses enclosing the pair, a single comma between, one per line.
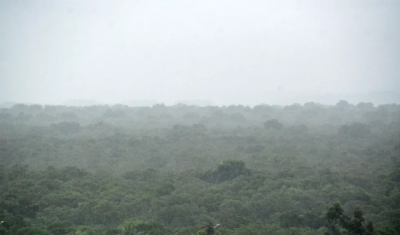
(213,52)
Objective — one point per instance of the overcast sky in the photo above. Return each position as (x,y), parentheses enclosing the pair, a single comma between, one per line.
(225,51)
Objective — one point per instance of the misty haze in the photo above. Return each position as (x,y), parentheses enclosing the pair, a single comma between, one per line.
(200,117)
(225,52)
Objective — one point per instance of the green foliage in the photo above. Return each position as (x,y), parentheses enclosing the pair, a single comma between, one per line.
(207,230)
(86,170)
(228,170)
(165,189)
(59,228)
(337,220)
(355,130)
(291,219)
(273,124)
(339,223)
(32,231)
(144,228)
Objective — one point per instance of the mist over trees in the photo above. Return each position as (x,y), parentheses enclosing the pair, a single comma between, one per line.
(183,169)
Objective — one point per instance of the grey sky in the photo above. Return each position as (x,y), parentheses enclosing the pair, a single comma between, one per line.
(226,51)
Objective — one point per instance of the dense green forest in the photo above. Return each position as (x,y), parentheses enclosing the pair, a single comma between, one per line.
(298,169)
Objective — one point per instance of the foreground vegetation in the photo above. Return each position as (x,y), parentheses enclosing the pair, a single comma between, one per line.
(299,169)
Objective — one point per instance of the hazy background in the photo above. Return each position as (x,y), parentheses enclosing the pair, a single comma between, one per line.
(220,52)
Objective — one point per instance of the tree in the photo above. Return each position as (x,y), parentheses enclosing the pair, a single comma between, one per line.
(365,106)
(207,230)
(358,225)
(339,223)
(144,228)
(342,104)
(337,220)
(32,231)
(355,130)
(273,124)
(228,170)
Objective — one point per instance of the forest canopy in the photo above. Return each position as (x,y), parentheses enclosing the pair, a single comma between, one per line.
(297,169)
